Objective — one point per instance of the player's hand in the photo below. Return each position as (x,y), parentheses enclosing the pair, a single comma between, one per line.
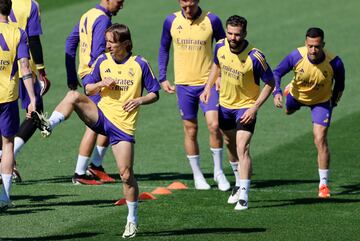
(167,87)
(205,96)
(44,82)
(278,100)
(249,116)
(31,107)
(131,105)
(73,84)
(108,82)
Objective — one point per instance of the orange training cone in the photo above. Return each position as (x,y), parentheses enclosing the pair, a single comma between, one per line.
(177,186)
(146,195)
(161,191)
(120,202)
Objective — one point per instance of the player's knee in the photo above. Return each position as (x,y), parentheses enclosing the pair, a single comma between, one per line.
(191,131)
(320,141)
(213,127)
(73,96)
(125,175)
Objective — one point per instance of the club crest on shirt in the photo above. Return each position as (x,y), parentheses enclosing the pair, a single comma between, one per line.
(203,26)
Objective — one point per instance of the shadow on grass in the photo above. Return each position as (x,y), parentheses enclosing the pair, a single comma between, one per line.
(159,176)
(351,189)
(38,198)
(193,231)
(306,201)
(13,211)
(92,202)
(83,235)
(278,182)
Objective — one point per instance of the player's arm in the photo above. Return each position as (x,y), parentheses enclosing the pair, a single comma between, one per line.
(93,84)
(217,26)
(34,32)
(72,43)
(262,71)
(149,82)
(98,42)
(23,56)
(285,66)
(214,75)
(339,77)
(163,57)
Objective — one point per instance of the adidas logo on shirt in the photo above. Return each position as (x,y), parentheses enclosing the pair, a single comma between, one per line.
(108,71)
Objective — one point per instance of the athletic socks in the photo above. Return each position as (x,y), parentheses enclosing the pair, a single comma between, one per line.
(6,185)
(244,189)
(18,144)
(217,158)
(324,176)
(234,167)
(132,212)
(81,164)
(195,165)
(98,155)
(55,119)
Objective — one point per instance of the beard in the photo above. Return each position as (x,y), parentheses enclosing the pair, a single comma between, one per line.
(235,45)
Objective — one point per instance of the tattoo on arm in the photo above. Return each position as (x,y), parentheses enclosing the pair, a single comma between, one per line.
(25,66)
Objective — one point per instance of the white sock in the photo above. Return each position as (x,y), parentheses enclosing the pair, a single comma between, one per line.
(6,186)
(81,164)
(18,144)
(98,155)
(195,165)
(132,212)
(244,189)
(56,118)
(234,166)
(0,153)
(217,158)
(324,176)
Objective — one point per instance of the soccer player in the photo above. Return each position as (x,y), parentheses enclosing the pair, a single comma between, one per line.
(241,67)
(26,15)
(119,77)
(318,83)
(89,35)
(13,47)
(192,31)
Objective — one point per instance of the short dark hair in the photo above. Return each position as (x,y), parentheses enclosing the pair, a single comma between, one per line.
(5,7)
(315,32)
(237,20)
(121,34)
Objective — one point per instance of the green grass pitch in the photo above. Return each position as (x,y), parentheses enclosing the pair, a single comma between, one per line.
(283,197)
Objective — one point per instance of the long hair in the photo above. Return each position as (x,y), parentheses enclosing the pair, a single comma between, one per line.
(121,34)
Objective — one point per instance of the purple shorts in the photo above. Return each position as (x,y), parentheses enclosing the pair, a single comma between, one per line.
(320,113)
(189,101)
(104,127)
(95,98)
(229,119)
(9,119)
(25,99)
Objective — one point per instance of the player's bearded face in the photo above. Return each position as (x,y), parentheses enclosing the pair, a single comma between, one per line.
(235,36)
(315,48)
